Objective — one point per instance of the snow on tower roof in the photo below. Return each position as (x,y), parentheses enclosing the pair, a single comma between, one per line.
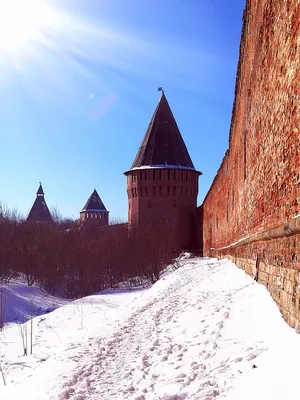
(94,203)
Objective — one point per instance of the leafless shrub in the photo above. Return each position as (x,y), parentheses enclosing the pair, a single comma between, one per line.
(23,331)
(2,373)
(75,260)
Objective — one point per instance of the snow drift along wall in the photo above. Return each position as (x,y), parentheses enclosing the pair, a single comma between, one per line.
(252,210)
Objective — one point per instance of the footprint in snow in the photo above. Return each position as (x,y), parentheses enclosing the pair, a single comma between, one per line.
(239,359)
(251,357)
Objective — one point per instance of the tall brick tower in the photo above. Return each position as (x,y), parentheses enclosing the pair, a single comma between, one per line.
(162,183)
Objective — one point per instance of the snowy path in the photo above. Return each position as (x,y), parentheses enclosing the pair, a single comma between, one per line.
(168,348)
(196,334)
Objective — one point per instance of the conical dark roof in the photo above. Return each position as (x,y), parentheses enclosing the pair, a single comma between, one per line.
(163,144)
(40,190)
(94,203)
(40,211)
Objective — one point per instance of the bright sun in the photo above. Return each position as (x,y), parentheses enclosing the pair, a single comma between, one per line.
(21,20)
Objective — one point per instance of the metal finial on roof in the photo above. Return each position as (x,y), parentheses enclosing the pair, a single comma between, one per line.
(160,89)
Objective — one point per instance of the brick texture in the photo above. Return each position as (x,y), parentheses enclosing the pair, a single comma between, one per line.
(164,194)
(257,187)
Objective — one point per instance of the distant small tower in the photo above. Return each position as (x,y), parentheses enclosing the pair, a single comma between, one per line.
(162,183)
(94,211)
(39,211)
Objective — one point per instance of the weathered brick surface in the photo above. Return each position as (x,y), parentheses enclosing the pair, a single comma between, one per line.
(257,187)
(166,194)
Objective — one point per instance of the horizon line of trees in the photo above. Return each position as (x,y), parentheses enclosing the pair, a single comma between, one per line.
(72,260)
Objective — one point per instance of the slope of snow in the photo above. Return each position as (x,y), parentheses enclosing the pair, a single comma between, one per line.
(205,331)
(19,302)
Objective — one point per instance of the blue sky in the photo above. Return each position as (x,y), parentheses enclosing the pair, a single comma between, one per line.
(77,95)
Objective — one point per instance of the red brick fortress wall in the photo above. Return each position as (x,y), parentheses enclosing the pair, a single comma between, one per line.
(252,210)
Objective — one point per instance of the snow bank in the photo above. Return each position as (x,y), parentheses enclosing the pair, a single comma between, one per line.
(19,302)
(205,331)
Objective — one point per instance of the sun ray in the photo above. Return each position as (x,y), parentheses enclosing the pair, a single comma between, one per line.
(50,51)
(21,21)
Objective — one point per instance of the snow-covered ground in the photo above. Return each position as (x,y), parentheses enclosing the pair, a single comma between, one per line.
(205,331)
(18,301)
